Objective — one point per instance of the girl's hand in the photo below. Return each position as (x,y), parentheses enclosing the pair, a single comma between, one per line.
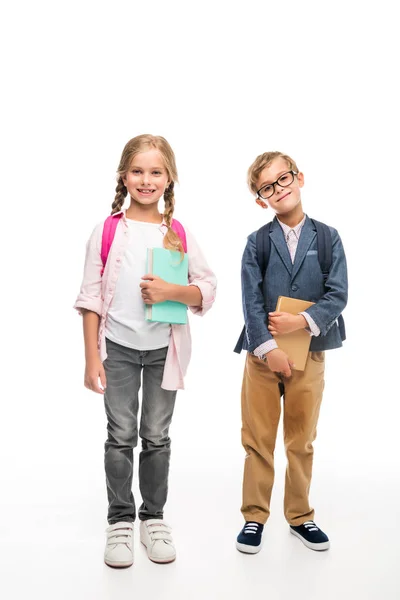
(279,362)
(280,323)
(93,372)
(154,289)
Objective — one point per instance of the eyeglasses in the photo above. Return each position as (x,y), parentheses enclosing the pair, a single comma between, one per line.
(269,190)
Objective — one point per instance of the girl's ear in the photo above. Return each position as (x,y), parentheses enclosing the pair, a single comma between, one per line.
(261,203)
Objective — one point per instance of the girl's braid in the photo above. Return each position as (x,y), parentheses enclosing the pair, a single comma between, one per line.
(169,200)
(120,195)
(172,241)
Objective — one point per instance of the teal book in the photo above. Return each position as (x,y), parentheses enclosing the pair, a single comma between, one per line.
(168,265)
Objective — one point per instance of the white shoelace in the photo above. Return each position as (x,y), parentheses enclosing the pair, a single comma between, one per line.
(310,525)
(251,528)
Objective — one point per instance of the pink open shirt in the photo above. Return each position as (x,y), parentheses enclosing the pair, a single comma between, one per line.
(97,292)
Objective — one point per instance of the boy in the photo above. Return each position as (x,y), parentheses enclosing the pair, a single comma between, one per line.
(292,270)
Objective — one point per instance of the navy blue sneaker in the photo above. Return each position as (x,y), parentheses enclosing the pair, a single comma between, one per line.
(249,539)
(311,535)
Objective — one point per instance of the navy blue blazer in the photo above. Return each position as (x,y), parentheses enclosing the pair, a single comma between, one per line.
(303,279)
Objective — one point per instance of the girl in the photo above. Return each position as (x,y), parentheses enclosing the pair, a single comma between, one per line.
(121,347)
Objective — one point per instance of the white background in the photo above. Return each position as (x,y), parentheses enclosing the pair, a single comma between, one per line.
(223,82)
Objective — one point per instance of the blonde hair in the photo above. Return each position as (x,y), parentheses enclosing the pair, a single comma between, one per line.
(262,161)
(142,143)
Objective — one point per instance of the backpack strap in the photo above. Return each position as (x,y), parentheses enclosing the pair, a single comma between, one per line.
(180,231)
(324,245)
(342,328)
(110,225)
(239,344)
(263,247)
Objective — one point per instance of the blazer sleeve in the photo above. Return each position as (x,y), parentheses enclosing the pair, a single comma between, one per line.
(90,295)
(200,275)
(255,316)
(330,306)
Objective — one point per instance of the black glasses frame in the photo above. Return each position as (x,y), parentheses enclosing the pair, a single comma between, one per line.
(293,173)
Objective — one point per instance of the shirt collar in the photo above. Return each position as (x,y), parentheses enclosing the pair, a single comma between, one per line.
(297,229)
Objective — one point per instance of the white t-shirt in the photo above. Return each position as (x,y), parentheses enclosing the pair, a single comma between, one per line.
(126,323)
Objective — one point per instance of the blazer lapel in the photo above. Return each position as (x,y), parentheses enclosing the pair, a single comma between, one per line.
(278,239)
(307,236)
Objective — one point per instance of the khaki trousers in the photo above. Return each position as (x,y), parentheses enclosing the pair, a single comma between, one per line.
(261,409)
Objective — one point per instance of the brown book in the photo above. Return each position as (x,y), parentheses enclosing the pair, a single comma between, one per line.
(296,344)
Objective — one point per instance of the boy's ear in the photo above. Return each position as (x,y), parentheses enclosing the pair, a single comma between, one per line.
(261,203)
(300,179)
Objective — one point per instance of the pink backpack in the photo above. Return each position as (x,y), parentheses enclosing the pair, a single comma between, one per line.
(110,225)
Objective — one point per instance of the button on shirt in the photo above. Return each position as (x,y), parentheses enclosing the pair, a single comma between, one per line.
(292,236)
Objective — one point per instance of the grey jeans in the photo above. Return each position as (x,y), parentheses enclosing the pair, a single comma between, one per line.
(124,368)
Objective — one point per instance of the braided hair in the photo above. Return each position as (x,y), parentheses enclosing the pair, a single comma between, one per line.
(120,195)
(172,241)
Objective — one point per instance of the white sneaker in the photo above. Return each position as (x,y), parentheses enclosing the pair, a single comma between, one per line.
(119,545)
(155,535)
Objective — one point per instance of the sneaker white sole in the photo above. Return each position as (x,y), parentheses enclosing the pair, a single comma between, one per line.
(247,549)
(161,561)
(317,547)
(118,564)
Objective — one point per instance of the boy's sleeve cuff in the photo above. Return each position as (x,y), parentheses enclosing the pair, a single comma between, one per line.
(314,329)
(265,348)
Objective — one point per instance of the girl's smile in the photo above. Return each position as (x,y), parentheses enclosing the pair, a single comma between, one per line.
(145,192)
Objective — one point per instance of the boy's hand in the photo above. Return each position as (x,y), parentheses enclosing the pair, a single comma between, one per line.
(93,372)
(280,323)
(279,362)
(154,289)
